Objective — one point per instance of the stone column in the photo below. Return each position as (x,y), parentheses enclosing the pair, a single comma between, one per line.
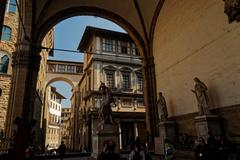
(150,97)
(75,105)
(135,129)
(120,134)
(19,122)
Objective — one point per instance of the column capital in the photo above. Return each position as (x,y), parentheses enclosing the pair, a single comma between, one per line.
(26,56)
(25,60)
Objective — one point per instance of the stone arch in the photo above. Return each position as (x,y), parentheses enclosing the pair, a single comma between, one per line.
(42,30)
(141,41)
(68,81)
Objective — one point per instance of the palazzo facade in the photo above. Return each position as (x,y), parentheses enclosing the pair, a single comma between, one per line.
(54,119)
(111,57)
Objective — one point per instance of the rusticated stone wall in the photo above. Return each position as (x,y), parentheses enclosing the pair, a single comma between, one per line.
(5,81)
(10,20)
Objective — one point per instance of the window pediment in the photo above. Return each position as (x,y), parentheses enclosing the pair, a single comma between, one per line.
(109,69)
(126,70)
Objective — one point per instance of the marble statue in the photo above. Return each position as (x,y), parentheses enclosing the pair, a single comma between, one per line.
(162,108)
(200,91)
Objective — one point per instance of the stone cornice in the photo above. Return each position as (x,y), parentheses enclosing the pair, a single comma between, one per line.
(216,111)
(115,93)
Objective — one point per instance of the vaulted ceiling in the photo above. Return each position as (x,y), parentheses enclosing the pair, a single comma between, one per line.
(138,17)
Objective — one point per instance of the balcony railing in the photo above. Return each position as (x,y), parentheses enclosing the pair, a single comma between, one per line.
(64,68)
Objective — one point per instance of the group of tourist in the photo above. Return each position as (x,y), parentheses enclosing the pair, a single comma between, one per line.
(137,151)
(215,148)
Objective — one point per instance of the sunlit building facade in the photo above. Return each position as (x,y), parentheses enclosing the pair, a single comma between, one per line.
(66,126)
(111,57)
(53,129)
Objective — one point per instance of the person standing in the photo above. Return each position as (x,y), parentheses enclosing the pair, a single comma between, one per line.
(200,151)
(108,151)
(62,150)
(169,150)
(212,146)
(137,153)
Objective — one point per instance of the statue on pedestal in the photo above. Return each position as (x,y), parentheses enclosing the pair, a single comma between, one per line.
(162,108)
(105,111)
(200,90)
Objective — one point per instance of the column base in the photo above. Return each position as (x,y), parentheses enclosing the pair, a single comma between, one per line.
(208,123)
(167,130)
(107,132)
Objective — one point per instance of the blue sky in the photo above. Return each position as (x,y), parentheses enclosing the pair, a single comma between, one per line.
(67,35)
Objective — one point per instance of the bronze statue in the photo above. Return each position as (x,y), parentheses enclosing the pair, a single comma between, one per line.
(105,111)
(162,108)
(200,90)
(232,9)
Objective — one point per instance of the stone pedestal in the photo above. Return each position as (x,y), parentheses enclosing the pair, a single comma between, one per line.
(167,130)
(208,123)
(106,132)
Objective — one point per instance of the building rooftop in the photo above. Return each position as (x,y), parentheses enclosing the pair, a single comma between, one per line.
(59,96)
(61,61)
(91,31)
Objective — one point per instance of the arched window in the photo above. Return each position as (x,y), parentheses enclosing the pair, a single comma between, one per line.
(11,6)
(6,33)
(4,61)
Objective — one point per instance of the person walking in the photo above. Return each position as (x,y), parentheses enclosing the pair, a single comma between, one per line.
(137,153)
(62,150)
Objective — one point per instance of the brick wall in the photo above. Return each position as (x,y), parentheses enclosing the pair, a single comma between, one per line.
(10,20)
